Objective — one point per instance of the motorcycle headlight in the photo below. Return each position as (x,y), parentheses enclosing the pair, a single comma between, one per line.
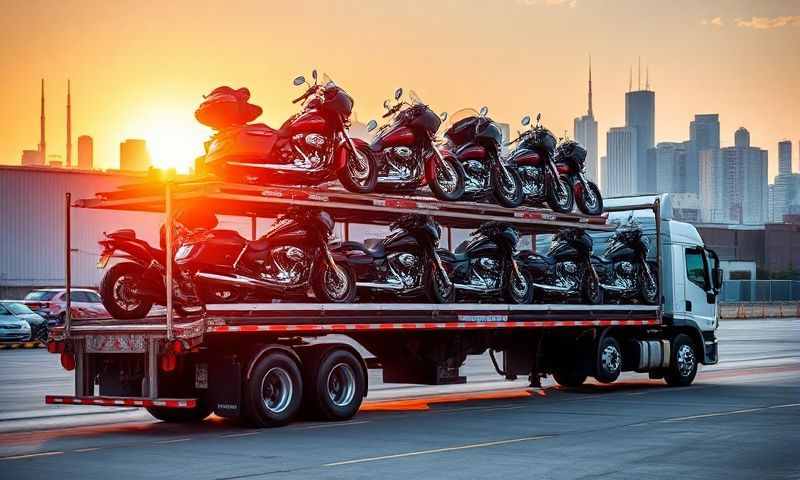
(183,252)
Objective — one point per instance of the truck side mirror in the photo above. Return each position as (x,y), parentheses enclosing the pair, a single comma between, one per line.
(716,275)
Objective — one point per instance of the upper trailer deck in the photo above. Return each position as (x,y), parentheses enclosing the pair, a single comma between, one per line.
(381,209)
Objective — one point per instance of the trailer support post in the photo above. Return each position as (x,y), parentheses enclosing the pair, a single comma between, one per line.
(68,263)
(170,229)
(152,368)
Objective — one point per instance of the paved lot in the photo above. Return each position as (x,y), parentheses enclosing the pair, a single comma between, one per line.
(741,419)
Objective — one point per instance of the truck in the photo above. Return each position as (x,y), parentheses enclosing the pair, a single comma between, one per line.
(266,362)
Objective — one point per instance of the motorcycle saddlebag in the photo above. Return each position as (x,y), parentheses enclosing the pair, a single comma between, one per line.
(249,143)
(225,107)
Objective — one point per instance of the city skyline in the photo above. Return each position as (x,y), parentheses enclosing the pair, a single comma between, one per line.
(127,85)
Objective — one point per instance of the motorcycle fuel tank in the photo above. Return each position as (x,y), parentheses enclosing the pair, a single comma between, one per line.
(395,137)
(471,152)
(526,157)
(308,122)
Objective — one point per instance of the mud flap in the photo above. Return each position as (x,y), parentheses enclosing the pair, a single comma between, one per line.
(225,386)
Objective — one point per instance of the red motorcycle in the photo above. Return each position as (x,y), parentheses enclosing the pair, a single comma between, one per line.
(310,148)
(407,154)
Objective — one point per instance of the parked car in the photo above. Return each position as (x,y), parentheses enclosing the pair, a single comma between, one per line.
(51,303)
(37,323)
(12,328)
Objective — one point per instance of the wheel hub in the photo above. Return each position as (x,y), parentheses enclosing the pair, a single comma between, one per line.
(610,359)
(686,360)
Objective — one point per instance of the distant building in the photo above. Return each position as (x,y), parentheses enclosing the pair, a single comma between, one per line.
(671,167)
(712,185)
(640,112)
(585,132)
(505,129)
(55,161)
(784,157)
(703,135)
(85,152)
(133,156)
(621,170)
(785,195)
(745,193)
(31,157)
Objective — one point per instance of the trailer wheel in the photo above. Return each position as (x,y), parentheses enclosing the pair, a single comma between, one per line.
(274,391)
(683,364)
(609,360)
(181,415)
(568,378)
(338,389)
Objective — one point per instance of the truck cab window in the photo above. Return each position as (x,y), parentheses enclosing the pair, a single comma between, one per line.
(696,269)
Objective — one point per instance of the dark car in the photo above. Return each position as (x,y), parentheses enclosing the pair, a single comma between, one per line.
(37,323)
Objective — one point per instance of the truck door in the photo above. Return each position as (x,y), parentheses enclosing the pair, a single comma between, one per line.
(701,298)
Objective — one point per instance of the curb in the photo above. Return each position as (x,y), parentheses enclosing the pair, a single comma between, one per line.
(19,345)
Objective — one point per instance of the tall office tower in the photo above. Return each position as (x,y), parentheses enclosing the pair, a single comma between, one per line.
(745,189)
(640,112)
(671,166)
(585,133)
(621,169)
(784,157)
(710,195)
(85,152)
(69,127)
(133,156)
(703,135)
(42,143)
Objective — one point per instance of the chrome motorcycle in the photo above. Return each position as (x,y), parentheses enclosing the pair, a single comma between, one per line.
(566,271)
(404,264)
(291,256)
(542,179)
(484,266)
(623,268)
(476,141)
(407,154)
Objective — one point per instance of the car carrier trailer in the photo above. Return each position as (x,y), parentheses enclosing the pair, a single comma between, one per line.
(265,362)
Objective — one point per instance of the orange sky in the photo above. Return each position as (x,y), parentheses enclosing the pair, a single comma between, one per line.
(138,68)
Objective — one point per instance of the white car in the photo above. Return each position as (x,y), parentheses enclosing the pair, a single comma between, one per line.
(13,329)
(51,303)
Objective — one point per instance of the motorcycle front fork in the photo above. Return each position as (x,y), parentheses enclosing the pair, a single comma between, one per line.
(332,263)
(441,269)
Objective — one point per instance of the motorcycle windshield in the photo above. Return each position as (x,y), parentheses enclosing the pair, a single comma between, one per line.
(415,99)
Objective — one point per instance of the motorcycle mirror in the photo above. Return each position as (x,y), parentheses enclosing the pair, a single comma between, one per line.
(314,74)
(538,117)
(443,116)
(299,81)
(372,125)
(484,110)
(526,120)
(398,93)
(386,104)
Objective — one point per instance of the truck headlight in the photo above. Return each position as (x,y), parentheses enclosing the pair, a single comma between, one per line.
(183,252)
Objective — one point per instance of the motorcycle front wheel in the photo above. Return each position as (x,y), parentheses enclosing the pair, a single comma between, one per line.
(118,291)
(592,291)
(447,180)
(589,199)
(359,174)
(649,290)
(435,288)
(330,286)
(519,290)
(559,196)
(508,189)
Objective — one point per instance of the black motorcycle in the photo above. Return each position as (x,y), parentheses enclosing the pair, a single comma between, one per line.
(623,268)
(404,264)
(291,256)
(484,265)
(407,155)
(476,141)
(571,161)
(566,271)
(543,180)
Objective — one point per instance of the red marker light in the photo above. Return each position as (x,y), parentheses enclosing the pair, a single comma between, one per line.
(67,361)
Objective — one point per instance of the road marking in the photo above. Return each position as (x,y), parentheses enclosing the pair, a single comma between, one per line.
(715,414)
(480,409)
(83,450)
(786,406)
(176,440)
(438,450)
(31,455)
(234,435)
(335,424)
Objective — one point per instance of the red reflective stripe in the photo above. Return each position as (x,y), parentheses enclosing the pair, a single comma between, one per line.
(121,401)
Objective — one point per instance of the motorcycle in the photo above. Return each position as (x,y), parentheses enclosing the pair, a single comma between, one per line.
(484,266)
(404,264)
(310,147)
(407,155)
(566,271)
(571,161)
(476,141)
(291,256)
(534,159)
(623,268)
(131,287)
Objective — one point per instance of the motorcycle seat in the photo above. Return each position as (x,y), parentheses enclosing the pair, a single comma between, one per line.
(374,247)
(452,257)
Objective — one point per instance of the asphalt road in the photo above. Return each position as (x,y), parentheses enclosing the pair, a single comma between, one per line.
(740,419)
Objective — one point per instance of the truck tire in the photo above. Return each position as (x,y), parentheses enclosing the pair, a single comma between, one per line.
(181,415)
(568,378)
(273,393)
(338,387)
(683,364)
(609,360)
(114,291)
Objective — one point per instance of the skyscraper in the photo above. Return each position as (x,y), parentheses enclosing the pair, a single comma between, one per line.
(85,152)
(621,171)
(745,191)
(703,135)
(784,157)
(711,185)
(69,127)
(586,134)
(640,112)
(671,165)
(42,143)
(133,156)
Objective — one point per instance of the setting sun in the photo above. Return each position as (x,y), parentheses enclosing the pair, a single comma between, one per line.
(174,139)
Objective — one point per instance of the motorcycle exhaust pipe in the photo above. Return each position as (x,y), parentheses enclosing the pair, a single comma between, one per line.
(551,288)
(235,280)
(283,167)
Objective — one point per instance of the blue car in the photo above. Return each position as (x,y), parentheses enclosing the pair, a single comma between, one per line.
(37,322)
(13,328)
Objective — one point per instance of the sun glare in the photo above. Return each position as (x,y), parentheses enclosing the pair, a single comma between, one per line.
(174,140)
